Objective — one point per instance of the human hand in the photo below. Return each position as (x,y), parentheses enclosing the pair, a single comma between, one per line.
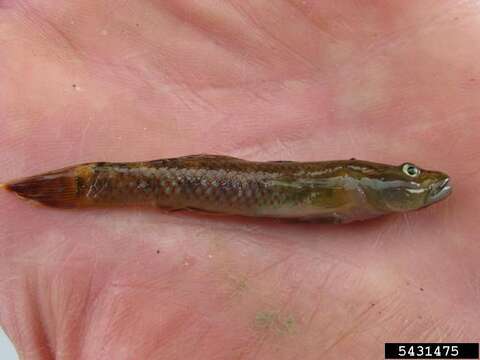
(263,80)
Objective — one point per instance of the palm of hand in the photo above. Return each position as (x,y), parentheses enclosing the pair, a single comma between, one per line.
(123,81)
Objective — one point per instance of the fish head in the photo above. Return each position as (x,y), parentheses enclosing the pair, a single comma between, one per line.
(405,187)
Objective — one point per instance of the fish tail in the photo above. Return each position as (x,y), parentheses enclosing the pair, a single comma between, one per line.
(58,188)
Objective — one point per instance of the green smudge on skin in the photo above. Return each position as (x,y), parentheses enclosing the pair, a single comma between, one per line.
(274,321)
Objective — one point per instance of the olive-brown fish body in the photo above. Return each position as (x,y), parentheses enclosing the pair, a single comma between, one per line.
(334,191)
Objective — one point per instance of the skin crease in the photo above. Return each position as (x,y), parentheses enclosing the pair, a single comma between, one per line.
(263,80)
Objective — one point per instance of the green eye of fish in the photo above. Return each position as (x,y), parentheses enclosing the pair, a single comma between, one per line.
(410,170)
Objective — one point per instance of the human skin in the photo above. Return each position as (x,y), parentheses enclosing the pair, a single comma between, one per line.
(262,80)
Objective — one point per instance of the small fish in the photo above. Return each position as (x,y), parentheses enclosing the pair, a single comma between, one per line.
(326,191)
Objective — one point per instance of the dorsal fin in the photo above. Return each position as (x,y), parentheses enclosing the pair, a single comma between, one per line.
(196,158)
(281,161)
(209,157)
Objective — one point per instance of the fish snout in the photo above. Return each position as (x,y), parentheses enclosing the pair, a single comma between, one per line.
(439,191)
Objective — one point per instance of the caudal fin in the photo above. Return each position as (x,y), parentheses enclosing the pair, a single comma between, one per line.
(58,188)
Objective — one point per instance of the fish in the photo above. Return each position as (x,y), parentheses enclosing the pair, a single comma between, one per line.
(339,191)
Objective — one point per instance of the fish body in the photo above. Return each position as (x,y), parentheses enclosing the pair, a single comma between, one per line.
(328,191)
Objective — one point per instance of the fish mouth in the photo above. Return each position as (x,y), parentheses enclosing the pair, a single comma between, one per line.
(439,191)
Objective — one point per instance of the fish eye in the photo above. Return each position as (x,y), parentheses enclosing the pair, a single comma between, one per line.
(410,170)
